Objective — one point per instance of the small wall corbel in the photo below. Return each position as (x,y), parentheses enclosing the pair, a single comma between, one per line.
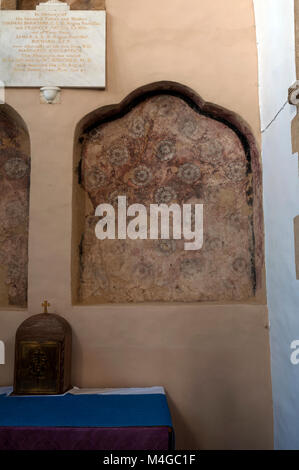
(50,94)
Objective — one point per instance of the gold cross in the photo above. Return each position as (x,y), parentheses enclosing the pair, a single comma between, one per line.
(46,304)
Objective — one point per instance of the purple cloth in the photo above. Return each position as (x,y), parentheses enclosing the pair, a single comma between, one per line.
(63,438)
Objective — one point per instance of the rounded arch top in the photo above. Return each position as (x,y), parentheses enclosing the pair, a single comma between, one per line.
(114,111)
(108,114)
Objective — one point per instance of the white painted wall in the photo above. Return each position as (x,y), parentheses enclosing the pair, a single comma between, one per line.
(276,56)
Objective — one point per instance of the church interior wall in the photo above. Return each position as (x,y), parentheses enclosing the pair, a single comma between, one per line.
(212,357)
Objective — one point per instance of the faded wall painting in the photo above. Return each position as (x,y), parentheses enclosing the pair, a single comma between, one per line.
(14,209)
(165,149)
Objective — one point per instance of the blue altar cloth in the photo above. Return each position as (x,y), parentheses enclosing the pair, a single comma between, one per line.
(85,410)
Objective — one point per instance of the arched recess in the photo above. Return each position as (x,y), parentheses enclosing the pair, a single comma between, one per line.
(296,233)
(164,143)
(14,207)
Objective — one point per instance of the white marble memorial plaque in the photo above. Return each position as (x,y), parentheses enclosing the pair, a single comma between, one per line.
(53,46)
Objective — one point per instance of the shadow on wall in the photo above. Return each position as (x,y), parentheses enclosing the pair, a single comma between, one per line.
(164,144)
(31,4)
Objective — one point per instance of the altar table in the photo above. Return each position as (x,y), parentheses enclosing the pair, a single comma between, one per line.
(112,419)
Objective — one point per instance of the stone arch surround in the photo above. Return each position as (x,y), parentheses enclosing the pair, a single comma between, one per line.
(14,208)
(224,174)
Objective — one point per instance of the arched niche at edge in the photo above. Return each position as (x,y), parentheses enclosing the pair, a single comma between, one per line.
(14,207)
(199,152)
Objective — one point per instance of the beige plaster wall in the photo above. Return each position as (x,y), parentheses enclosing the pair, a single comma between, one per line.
(212,359)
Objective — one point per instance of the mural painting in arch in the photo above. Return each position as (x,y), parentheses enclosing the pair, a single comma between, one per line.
(164,144)
(14,208)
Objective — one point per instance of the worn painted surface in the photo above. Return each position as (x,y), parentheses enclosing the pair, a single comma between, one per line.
(14,212)
(163,151)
